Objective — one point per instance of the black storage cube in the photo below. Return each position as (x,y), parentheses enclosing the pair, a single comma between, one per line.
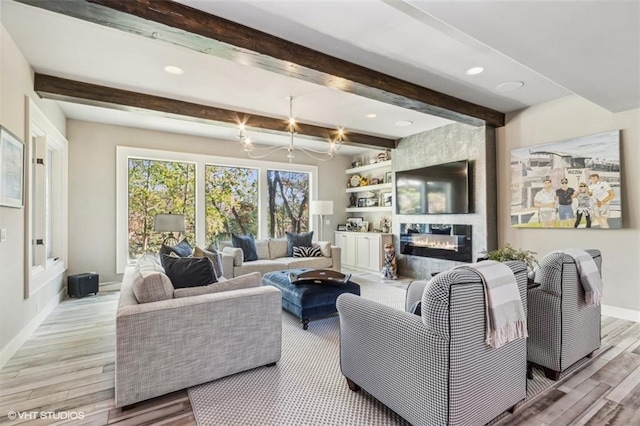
(80,285)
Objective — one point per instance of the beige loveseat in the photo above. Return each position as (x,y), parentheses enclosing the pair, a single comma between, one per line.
(170,339)
(272,256)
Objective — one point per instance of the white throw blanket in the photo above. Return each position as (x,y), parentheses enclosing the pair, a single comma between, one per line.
(589,275)
(505,317)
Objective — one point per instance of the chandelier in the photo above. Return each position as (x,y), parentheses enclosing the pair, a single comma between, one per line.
(333,147)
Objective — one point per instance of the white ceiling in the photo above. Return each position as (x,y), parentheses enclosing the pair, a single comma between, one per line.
(555,48)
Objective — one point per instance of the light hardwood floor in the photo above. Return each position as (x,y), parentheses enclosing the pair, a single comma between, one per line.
(67,366)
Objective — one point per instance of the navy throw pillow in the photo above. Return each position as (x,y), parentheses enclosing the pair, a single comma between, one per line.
(247,244)
(416,308)
(182,249)
(189,271)
(298,240)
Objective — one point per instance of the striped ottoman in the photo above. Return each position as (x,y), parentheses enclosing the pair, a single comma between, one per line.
(307,301)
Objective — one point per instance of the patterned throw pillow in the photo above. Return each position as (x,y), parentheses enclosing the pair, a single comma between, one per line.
(302,239)
(307,251)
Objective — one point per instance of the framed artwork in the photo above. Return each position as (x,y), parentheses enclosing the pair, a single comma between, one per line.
(354,219)
(573,183)
(386,199)
(342,227)
(11,169)
(388,177)
(362,202)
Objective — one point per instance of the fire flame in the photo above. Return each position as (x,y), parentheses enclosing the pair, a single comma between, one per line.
(440,242)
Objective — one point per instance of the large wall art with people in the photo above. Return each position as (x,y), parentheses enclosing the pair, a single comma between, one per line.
(573,183)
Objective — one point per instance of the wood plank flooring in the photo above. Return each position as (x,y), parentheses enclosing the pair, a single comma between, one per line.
(67,367)
(606,392)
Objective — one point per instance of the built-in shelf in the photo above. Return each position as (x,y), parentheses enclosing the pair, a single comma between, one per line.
(369,167)
(369,209)
(370,187)
(376,192)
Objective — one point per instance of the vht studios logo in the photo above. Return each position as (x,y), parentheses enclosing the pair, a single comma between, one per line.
(51,415)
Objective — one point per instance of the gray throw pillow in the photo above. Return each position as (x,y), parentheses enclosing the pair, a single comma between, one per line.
(214,256)
(247,244)
(302,239)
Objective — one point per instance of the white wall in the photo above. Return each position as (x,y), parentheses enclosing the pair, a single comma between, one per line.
(17,313)
(567,118)
(92,185)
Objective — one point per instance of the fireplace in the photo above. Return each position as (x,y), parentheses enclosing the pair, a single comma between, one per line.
(441,241)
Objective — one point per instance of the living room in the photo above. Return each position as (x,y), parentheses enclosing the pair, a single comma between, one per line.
(92,237)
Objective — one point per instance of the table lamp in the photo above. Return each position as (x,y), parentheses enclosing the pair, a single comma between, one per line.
(169,223)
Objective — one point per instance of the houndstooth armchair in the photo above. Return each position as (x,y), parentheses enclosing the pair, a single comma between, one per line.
(562,329)
(435,369)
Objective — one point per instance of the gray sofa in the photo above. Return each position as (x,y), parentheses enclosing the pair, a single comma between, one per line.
(435,369)
(272,256)
(169,339)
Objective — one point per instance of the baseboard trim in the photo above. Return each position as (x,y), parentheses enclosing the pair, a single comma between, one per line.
(622,313)
(16,343)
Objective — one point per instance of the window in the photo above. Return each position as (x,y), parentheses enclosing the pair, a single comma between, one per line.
(231,199)
(49,208)
(158,187)
(219,195)
(288,201)
(46,230)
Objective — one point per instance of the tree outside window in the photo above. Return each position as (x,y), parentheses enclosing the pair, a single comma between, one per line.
(288,202)
(231,199)
(158,187)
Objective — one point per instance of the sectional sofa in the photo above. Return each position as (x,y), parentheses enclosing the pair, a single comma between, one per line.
(272,256)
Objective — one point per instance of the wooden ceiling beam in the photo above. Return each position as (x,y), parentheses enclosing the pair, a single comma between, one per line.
(197,30)
(61,89)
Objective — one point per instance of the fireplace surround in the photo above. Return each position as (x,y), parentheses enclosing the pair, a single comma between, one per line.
(440,241)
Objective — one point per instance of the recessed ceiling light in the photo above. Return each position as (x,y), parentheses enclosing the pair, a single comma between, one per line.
(371,115)
(474,71)
(174,70)
(404,123)
(510,86)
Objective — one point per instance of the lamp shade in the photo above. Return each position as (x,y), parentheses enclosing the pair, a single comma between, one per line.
(168,223)
(321,207)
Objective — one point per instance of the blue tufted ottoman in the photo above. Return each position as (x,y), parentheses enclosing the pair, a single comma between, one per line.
(307,301)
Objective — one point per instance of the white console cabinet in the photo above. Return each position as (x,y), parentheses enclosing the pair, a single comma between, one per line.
(363,250)
(347,242)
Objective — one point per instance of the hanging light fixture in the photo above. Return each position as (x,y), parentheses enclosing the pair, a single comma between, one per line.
(334,145)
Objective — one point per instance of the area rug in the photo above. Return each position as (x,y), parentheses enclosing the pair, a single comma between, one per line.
(306,386)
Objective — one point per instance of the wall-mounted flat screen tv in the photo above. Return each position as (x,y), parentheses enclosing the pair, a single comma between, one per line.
(438,189)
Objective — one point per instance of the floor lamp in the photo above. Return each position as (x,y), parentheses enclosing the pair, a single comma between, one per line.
(322,209)
(169,223)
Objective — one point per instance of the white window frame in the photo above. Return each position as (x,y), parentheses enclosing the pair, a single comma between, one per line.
(124,153)
(43,136)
